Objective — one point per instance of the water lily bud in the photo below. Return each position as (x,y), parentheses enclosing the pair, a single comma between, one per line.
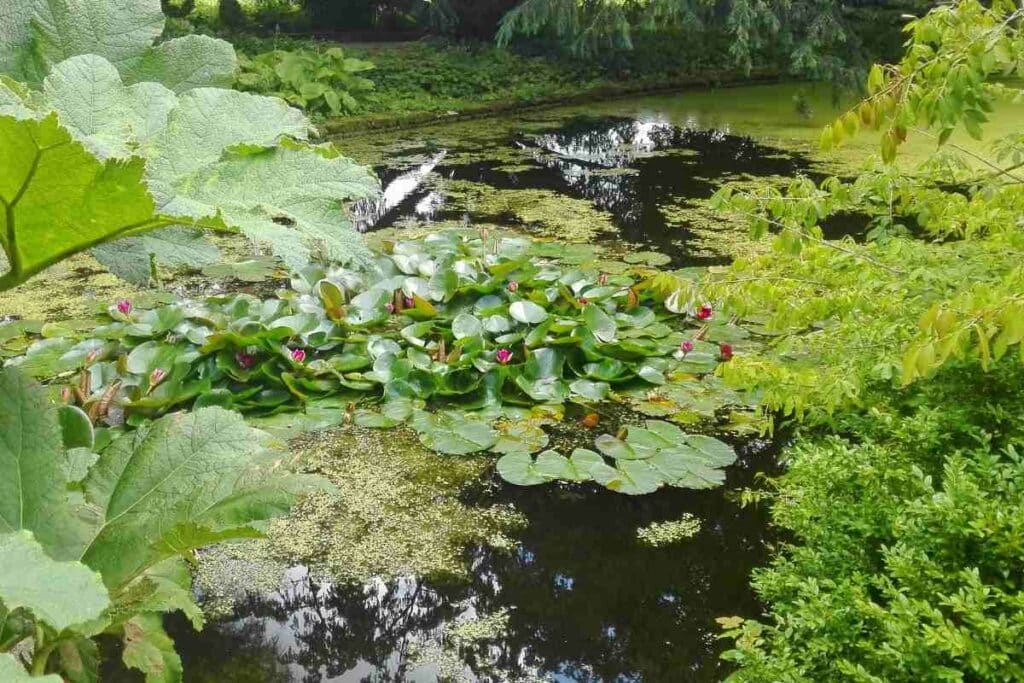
(91,357)
(602,279)
(124,307)
(513,286)
(725,351)
(156,377)
(65,395)
(503,356)
(686,346)
(244,360)
(408,301)
(390,307)
(704,312)
(299,355)
(584,301)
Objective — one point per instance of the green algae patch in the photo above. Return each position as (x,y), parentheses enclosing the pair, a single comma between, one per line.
(659,534)
(547,212)
(75,288)
(397,511)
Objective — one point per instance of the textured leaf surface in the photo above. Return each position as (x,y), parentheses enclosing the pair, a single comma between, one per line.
(11,670)
(61,594)
(179,484)
(60,199)
(37,34)
(129,258)
(32,477)
(148,648)
(220,155)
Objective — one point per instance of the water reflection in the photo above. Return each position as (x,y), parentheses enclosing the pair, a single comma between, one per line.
(633,169)
(581,599)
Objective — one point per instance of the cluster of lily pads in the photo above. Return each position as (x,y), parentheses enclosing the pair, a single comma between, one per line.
(476,342)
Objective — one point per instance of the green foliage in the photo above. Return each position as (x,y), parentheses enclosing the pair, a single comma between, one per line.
(324,83)
(481,323)
(819,39)
(213,158)
(896,307)
(58,199)
(37,34)
(905,564)
(647,458)
(101,551)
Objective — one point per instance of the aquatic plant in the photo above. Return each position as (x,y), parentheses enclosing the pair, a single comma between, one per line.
(95,525)
(433,323)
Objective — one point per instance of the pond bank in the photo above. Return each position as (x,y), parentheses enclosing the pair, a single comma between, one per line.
(410,119)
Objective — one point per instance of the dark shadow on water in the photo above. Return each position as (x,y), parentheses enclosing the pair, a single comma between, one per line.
(586,601)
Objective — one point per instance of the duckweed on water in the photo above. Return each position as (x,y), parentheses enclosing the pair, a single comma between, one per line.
(397,510)
(658,534)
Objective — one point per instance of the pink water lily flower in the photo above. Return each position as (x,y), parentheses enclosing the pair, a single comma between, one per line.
(245,360)
(389,307)
(124,307)
(299,355)
(156,377)
(408,302)
(686,346)
(503,356)
(725,351)
(513,286)
(705,312)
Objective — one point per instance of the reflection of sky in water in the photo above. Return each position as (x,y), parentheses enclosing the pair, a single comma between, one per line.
(585,601)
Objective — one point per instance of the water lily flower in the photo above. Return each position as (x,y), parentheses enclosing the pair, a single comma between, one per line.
(390,307)
(156,377)
(503,356)
(91,357)
(704,312)
(65,395)
(725,351)
(602,279)
(408,301)
(513,286)
(584,301)
(124,307)
(299,355)
(686,346)
(245,360)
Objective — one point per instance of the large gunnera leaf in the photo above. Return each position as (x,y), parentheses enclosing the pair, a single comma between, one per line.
(181,483)
(60,594)
(219,155)
(33,491)
(11,670)
(37,34)
(58,199)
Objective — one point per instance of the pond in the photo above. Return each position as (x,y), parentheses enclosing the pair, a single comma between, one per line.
(427,567)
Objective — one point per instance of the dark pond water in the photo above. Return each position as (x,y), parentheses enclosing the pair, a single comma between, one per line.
(580,599)
(585,600)
(633,169)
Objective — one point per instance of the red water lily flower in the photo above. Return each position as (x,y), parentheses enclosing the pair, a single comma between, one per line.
(705,312)
(503,356)
(245,360)
(686,346)
(584,301)
(124,306)
(725,351)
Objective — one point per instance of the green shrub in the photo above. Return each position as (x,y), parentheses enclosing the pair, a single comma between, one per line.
(320,82)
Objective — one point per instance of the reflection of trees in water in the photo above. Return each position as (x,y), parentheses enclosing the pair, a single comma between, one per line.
(584,598)
(630,168)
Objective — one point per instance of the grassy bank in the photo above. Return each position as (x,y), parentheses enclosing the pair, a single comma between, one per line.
(427,81)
